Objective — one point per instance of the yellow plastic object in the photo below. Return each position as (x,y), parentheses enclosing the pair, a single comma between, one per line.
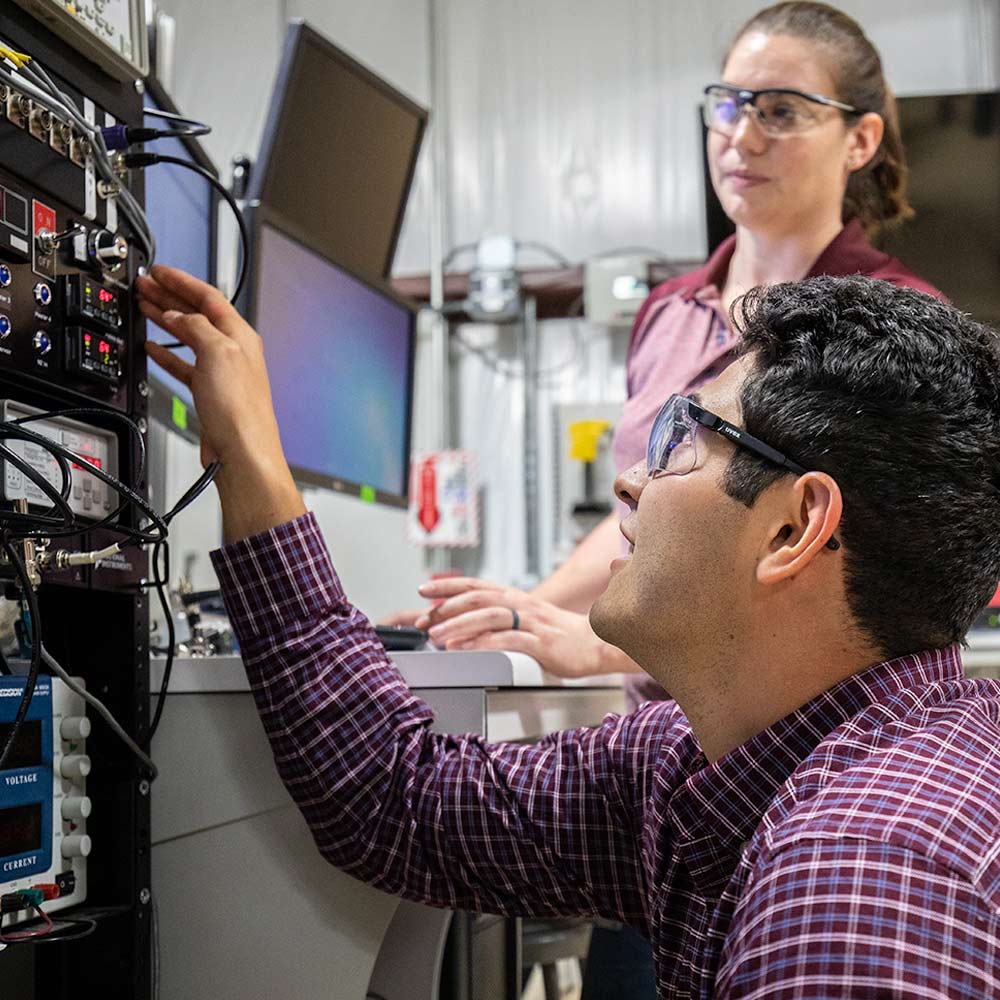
(584,436)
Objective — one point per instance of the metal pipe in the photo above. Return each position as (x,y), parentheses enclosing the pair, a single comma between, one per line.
(440,361)
(529,334)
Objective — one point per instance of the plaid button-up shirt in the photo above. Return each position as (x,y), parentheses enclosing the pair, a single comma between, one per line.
(852,849)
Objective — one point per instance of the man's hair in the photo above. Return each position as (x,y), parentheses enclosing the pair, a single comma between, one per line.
(897,396)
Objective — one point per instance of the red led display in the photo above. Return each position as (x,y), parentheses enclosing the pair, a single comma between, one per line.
(105,296)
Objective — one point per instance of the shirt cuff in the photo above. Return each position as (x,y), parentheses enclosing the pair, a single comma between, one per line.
(282,575)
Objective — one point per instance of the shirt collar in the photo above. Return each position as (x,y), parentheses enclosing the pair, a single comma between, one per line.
(849,252)
(716,811)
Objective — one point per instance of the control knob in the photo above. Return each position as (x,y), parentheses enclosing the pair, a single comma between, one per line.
(42,342)
(74,727)
(108,249)
(5,326)
(5,276)
(75,765)
(42,293)
(76,807)
(76,846)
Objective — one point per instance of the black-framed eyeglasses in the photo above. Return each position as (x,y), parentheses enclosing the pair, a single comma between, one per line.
(779,112)
(672,449)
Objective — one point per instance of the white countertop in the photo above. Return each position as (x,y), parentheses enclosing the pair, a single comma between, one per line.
(422,670)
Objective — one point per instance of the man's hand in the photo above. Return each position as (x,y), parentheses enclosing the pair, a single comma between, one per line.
(231,395)
(476,614)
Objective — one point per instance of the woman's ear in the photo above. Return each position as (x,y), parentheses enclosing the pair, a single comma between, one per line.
(865,139)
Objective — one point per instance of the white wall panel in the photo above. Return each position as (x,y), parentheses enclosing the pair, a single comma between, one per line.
(575,122)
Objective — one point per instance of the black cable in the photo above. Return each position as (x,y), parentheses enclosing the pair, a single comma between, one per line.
(546,249)
(93,411)
(194,491)
(148,159)
(36,646)
(11,430)
(47,528)
(173,117)
(65,458)
(136,434)
(455,251)
(134,535)
(70,525)
(45,486)
(160,581)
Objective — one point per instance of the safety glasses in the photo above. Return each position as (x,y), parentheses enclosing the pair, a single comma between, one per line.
(672,449)
(779,112)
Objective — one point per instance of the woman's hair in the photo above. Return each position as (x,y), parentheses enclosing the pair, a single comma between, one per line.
(876,194)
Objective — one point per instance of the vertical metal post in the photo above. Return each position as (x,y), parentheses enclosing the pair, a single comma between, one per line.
(529,330)
(439,347)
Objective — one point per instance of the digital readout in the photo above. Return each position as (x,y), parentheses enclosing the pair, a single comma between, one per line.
(27,751)
(100,354)
(20,829)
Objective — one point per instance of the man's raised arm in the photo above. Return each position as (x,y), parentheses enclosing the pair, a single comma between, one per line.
(448,820)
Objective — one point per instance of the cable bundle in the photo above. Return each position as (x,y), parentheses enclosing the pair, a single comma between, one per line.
(58,520)
(21,72)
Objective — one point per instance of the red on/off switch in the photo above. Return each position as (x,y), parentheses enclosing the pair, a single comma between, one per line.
(44,217)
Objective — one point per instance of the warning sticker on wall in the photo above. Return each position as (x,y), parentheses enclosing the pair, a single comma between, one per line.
(444,499)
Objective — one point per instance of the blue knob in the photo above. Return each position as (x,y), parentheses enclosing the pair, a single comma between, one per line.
(5,276)
(43,294)
(4,325)
(42,342)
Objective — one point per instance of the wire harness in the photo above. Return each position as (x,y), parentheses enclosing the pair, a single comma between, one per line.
(25,537)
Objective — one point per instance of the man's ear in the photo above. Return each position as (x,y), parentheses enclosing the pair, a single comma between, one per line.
(806,518)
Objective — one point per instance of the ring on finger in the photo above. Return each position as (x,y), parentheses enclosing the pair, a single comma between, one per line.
(517,620)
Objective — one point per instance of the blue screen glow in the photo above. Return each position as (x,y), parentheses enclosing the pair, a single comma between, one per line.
(179,207)
(338,355)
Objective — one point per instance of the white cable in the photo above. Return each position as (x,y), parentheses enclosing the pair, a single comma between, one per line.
(91,558)
(102,710)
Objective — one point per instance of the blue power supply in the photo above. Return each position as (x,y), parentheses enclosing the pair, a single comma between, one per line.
(26,793)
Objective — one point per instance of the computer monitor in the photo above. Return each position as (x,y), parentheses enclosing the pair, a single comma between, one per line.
(182,209)
(339,353)
(952,144)
(338,154)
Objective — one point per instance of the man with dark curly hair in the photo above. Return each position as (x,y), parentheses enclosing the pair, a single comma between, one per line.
(814,813)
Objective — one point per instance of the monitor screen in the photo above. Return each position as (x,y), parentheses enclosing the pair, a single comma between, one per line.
(952,147)
(181,209)
(340,359)
(338,154)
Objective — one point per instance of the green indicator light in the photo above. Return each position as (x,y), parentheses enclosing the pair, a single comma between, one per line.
(179,412)
(368,494)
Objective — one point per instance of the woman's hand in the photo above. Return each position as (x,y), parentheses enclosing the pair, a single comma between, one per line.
(476,614)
